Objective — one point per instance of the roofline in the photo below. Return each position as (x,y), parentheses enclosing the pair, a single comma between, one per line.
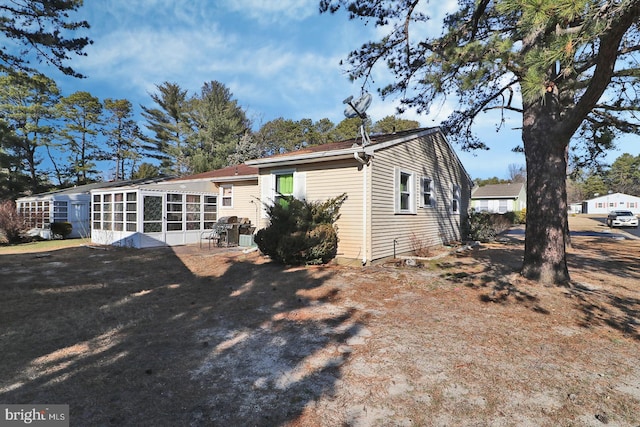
(159,190)
(392,142)
(344,153)
(233,178)
(515,196)
(296,159)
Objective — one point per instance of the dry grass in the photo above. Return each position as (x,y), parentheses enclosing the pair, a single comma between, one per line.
(191,337)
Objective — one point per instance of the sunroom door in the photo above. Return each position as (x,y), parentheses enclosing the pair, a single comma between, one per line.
(152,224)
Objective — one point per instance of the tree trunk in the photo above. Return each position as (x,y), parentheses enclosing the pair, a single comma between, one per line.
(547,226)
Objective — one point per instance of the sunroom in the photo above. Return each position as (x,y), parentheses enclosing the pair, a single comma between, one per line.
(148,217)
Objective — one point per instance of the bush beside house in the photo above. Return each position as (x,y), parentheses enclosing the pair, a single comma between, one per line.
(61,229)
(301,232)
(485,226)
(12,226)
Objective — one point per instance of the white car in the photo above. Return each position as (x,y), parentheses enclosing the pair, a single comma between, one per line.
(622,219)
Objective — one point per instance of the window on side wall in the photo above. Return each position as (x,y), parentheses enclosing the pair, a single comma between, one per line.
(60,211)
(455,200)
(427,198)
(404,189)
(226,192)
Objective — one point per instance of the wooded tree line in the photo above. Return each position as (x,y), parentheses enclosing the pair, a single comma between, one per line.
(51,141)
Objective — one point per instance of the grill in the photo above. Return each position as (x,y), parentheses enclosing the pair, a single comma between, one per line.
(227,228)
(226,231)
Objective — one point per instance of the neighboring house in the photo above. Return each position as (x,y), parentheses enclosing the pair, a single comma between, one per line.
(575,208)
(175,211)
(609,202)
(67,205)
(499,198)
(403,189)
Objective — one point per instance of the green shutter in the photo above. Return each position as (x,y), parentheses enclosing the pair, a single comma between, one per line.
(285,184)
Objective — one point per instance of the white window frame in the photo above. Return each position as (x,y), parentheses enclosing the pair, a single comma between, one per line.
(276,196)
(455,199)
(60,211)
(503,206)
(223,197)
(410,191)
(424,191)
(299,184)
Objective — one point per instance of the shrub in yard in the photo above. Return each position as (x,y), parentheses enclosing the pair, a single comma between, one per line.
(485,226)
(420,247)
(501,222)
(516,217)
(522,216)
(11,224)
(479,226)
(301,232)
(62,229)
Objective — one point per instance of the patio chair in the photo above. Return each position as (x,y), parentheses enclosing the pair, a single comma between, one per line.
(212,236)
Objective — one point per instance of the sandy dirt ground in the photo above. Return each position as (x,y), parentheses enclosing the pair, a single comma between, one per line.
(193,337)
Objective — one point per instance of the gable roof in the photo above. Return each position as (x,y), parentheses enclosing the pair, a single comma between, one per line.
(348,148)
(340,149)
(498,191)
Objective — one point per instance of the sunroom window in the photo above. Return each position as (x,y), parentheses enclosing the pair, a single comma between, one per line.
(174,212)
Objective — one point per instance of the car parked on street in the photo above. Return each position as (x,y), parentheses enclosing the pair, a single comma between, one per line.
(622,219)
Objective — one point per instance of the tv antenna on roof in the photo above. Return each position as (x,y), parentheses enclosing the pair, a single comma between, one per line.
(358,108)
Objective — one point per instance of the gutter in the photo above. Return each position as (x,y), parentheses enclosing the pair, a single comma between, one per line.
(364,162)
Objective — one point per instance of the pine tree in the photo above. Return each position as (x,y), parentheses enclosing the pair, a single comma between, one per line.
(27,106)
(81,114)
(560,65)
(123,136)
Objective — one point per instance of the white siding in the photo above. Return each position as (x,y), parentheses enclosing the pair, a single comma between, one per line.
(609,202)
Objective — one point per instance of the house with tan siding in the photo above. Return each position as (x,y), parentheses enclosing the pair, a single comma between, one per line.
(403,189)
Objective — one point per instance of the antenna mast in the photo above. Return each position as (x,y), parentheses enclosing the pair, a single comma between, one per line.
(358,108)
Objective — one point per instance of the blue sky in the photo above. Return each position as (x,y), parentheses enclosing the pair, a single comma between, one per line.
(278,58)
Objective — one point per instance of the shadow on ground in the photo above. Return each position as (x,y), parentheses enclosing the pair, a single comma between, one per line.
(605,275)
(136,337)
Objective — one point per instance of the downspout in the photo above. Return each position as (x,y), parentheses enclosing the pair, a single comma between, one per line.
(364,163)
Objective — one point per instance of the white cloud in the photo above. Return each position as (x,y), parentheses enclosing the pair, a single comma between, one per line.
(269,11)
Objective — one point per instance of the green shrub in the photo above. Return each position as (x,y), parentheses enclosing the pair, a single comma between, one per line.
(479,226)
(61,229)
(485,226)
(517,217)
(301,232)
(522,216)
